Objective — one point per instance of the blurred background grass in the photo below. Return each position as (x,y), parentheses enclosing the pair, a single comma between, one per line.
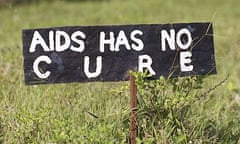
(23,108)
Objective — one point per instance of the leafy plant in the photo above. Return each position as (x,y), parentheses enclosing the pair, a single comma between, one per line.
(167,111)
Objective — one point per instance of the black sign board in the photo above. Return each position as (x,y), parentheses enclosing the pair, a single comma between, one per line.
(107,53)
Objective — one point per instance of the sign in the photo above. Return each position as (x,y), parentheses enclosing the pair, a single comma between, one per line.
(107,53)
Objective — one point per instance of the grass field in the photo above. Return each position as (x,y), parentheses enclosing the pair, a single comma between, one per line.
(94,112)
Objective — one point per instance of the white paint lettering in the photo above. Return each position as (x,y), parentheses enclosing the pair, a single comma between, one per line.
(98,67)
(81,44)
(186,45)
(104,41)
(38,40)
(185,60)
(122,40)
(61,35)
(51,40)
(36,69)
(169,38)
(138,46)
(145,62)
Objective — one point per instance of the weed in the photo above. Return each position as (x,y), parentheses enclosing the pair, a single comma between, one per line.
(166,112)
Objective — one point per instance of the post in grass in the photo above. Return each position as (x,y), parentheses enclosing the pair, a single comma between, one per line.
(133,105)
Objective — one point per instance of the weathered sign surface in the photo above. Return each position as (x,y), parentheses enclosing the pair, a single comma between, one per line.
(107,53)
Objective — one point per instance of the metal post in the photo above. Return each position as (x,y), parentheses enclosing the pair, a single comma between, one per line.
(133,104)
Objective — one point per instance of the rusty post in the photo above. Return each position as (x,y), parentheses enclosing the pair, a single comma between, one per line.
(133,104)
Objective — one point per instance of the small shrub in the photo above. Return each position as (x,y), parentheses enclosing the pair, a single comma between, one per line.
(168,111)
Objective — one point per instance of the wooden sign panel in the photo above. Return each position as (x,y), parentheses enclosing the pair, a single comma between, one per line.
(107,53)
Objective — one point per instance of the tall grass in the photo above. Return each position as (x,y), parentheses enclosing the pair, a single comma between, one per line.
(171,111)
(99,112)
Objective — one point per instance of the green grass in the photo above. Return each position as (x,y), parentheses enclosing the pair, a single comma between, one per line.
(67,112)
